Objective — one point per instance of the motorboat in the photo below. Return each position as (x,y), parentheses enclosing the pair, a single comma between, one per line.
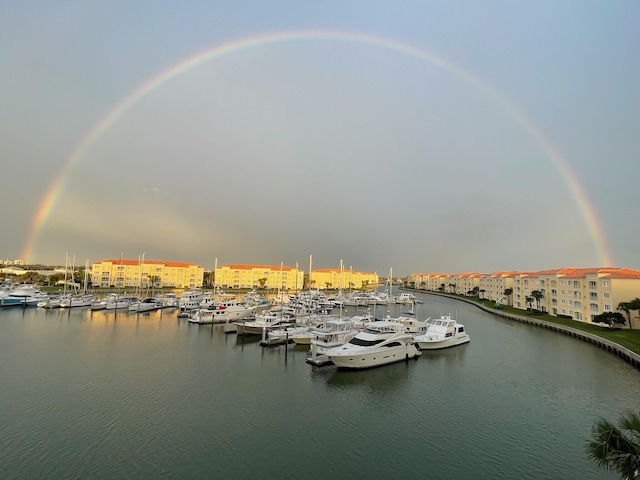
(333,333)
(27,296)
(222,312)
(119,302)
(6,300)
(169,300)
(83,300)
(442,332)
(264,322)
(147,305)
(406,298)
(380,343)
(55,301)
(190,300)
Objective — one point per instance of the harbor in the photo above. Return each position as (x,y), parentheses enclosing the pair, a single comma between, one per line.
(174,399)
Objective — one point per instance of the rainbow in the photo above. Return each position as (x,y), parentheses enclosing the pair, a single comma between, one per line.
(56,187)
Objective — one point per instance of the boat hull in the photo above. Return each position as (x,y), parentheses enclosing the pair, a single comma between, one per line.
(356,361)
(446,343)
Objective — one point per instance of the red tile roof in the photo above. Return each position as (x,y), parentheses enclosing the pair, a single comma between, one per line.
(237,266)
(128,262)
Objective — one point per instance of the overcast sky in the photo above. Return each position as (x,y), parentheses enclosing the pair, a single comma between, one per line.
(332,147)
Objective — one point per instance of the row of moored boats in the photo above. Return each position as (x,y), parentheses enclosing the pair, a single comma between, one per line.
(306,318)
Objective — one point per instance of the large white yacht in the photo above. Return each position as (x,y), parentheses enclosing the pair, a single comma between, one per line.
(222,311)
(264,322)
(442,332)
(82,300)
(27,296)
(147,305)
(190,300)
(378,344)
(333,333)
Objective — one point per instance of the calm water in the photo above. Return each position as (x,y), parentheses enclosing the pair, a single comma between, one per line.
(93,396)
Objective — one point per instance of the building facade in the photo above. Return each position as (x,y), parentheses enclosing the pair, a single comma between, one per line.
(123,273)
(259,276)
(336,278)
(577,293)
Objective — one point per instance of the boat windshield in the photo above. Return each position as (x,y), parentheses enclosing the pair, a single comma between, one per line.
(364,343)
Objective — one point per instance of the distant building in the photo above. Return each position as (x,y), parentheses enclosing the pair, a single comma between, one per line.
(122,273)
(11,262)
(259,276)
(579,293)
(337,278)
(12,270)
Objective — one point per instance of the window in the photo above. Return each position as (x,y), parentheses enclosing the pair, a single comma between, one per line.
(592,285)
(578,316)
(576,284)
(605,295)
(577,305)
(364,343)
(593,307)
(563,302)
(607,308)
(554,292)
(605,283)
(571,303)
(593,296)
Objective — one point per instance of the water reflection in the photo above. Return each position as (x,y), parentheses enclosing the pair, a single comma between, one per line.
(379,380)
(453,355)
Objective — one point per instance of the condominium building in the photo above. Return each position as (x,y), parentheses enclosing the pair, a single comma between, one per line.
(577,293)
(259,276)
(327,278)
(123,273)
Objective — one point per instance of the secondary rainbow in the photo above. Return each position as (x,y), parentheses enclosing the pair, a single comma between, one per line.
(53,192)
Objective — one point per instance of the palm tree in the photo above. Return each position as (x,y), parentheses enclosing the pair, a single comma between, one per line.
(482,290)
(617,448)
(634,305)
(529,300)
(538,295)
(507,293)
(626,308)
(442,287)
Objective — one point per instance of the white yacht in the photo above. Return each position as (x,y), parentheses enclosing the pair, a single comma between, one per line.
(6,300)
(264,322)
(442,332)
(82,300)
(332,334)
(27,296)
(146,305)
(190,300)
(222,311)
(115,301)
(55,301)
(169,300)
(380,343)
(406,298)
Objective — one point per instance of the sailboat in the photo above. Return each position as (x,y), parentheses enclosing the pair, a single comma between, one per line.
(79,300)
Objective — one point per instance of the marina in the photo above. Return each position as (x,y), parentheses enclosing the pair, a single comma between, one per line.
(155,392)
